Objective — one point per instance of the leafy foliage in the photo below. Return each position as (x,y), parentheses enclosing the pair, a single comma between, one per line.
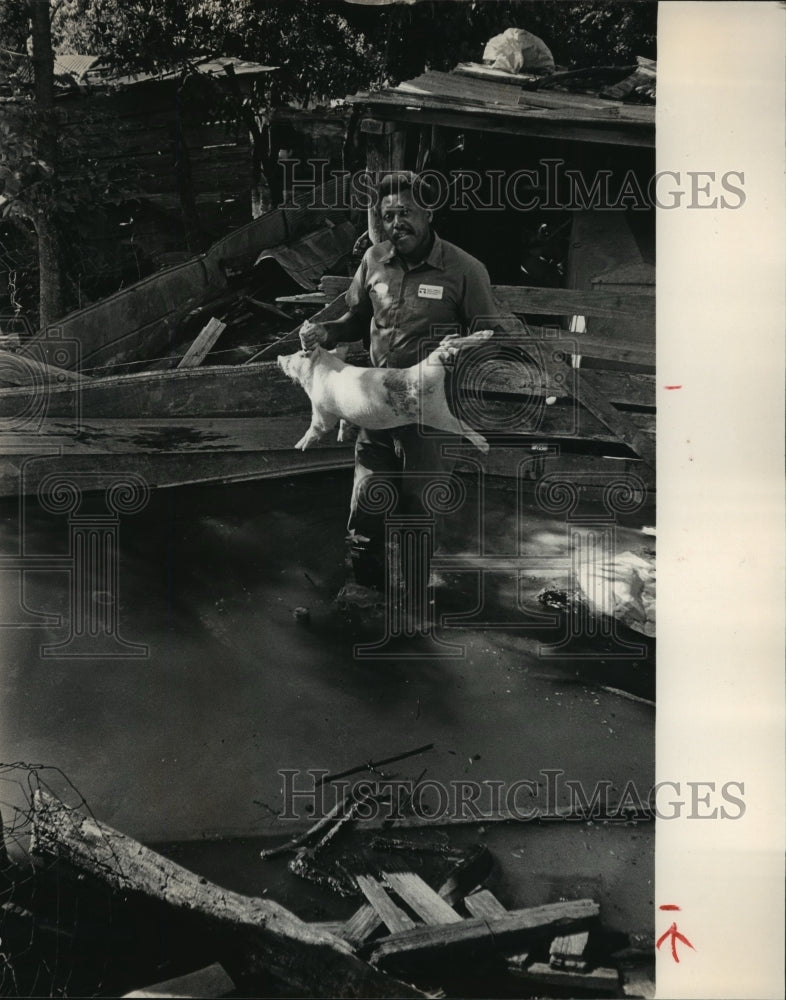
(327,48)
(324,49)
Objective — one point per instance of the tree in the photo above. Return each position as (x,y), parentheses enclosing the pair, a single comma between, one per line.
(28,162)
(51,179)
(323,49)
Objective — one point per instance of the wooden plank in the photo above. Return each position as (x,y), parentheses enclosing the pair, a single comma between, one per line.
(509,121)
(574,302)
(590,395)
(306,299)
(566,952)
(267,307)
(599,980)
(212,981)
(621,352)
(392,916)
(569,945)
(361,925)
(122,435)
(475,936)
(150,435)
(203,343)
(418,895)
(172,469)
(484,904)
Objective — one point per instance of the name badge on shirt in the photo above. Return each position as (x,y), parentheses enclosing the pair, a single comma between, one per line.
(430,291)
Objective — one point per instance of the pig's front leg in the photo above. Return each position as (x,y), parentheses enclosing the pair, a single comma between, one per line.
(321,423)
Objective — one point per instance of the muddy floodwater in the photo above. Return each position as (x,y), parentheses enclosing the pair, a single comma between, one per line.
(182,746)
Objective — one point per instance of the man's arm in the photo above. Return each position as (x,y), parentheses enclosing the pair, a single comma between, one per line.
(353,325)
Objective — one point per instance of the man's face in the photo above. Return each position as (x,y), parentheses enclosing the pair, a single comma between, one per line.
(406,224)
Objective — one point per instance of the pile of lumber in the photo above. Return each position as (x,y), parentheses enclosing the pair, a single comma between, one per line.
(405,932)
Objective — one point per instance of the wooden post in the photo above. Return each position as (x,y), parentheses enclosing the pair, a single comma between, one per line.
(376,160)
(385,151)
(269,938)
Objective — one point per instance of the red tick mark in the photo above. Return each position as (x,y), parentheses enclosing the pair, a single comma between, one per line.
(672,387)
(668,906)
(675,936)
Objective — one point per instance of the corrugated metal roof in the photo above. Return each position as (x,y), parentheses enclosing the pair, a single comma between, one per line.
(214,65)
(307,259)
(74,65)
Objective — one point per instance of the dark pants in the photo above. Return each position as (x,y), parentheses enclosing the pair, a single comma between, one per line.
(392,469)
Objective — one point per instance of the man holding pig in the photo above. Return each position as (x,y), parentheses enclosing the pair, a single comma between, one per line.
(410,291)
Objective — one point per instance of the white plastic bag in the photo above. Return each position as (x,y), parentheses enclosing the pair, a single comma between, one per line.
(518,51)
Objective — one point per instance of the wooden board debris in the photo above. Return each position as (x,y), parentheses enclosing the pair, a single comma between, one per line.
(484,904)
(365,922)
(566,952)
(477,935)
(203,344)
(392,916)
(417,894)
(275,941)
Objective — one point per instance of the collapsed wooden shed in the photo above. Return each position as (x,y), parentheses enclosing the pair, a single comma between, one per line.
(586,162)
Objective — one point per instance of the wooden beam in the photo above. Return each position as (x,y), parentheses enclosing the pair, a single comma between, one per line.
(274,940)
(475,936)
(203,344)
(520,123)
(418,895)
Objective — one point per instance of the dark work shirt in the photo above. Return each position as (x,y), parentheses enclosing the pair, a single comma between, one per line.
(448,292)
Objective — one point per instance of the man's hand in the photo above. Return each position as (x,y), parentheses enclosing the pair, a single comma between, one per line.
(312,334)
(450,346)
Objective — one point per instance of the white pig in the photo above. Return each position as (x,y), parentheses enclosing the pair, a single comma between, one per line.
(378,398)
